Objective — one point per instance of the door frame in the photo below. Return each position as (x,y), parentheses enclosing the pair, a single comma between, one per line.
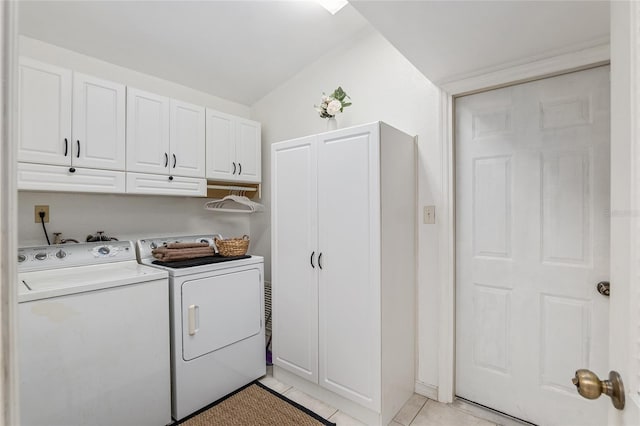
(9,408)
(530,71)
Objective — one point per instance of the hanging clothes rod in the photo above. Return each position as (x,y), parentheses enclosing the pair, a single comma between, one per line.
(232,188)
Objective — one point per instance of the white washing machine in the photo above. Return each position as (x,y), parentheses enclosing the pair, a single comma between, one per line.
(217,324)
(93,337)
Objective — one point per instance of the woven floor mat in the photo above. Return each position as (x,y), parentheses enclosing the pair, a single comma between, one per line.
(255,405)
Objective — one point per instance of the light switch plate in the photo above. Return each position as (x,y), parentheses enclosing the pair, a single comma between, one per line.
(429,215)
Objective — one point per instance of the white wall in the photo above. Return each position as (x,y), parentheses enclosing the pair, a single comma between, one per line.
(77,215)
(384,86)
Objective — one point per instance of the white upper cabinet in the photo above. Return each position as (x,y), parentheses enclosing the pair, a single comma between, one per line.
(94,137)
(148,148)
(98,123)
(164,136)
(187,141)
(233,148)
(44,113)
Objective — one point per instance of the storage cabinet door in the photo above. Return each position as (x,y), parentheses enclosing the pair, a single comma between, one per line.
(98,123)
(187,140)
(221,150)
(295,257)
(349,289)
(44,113)
(147,132)
(248,151)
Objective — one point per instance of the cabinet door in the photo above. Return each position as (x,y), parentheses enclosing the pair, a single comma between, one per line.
(294,257)
(147,132)
(221,150)
(349,289)
(248,151)
(44,113)
(187,140)
(98,123)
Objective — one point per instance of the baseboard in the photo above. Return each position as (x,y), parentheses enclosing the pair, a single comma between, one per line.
(425,389)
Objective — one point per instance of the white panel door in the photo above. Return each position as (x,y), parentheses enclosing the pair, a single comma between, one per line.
(220,310)
(221,150)
(147,132)
(44,113)
(532,242)
(248,151)
(294,250)
(98,123)
(187,140)
(349,283)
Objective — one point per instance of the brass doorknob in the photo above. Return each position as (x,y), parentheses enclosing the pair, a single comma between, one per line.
(591,387)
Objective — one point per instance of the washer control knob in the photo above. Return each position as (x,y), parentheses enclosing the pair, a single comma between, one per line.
(22,258)
(153,246)
(61,254)
(104,250)
(41,256)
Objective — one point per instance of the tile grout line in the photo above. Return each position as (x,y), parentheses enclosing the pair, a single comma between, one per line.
(418,411)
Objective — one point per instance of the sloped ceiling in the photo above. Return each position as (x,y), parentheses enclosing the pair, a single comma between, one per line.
(447,40)
(238,50)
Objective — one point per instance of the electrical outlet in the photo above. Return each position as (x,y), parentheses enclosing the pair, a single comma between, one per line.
(44,209)
(429,215)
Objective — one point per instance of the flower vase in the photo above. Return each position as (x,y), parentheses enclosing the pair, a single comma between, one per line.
(332,124)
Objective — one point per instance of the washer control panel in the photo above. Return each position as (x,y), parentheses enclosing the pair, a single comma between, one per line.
(62,256)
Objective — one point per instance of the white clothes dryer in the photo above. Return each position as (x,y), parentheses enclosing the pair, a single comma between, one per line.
(217,324)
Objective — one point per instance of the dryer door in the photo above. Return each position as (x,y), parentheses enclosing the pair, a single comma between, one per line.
(220,310)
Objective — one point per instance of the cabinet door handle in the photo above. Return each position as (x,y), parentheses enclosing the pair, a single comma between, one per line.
(194,319)
(320,260)
(166,159)
(174,161)
(240,167)
(311,259)
(78,153)
(234,168)
(66,147)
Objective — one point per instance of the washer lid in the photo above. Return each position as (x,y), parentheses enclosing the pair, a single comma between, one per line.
(52,283)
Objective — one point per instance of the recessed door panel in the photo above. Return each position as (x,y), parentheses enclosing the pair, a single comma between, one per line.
(220,310)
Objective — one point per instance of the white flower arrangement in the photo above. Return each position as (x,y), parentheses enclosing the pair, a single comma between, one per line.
(332,104)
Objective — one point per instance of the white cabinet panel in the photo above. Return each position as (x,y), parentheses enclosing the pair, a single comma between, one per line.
(221,149)
(98,123)
(294,222)
(248,150)
(147,132)
(187,139)
(42,177)
(44,113)
(145,183)
(234,149)
(348,196)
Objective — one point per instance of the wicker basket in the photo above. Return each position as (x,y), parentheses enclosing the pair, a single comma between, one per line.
(232,246)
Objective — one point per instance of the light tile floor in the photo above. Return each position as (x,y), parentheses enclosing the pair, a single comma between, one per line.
(418,411)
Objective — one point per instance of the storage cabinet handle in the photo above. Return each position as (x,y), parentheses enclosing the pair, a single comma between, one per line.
(166,159)
(194,319)
(240,167)
(234,168)
(320,260)
(78,153)
(66,147)
(311,260)
(174,161)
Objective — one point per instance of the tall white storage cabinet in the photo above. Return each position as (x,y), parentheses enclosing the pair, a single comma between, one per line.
(343,271)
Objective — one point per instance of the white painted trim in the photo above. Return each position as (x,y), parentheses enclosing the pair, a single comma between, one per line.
(530,70)
(426,390)
(524,72)
(9,410)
